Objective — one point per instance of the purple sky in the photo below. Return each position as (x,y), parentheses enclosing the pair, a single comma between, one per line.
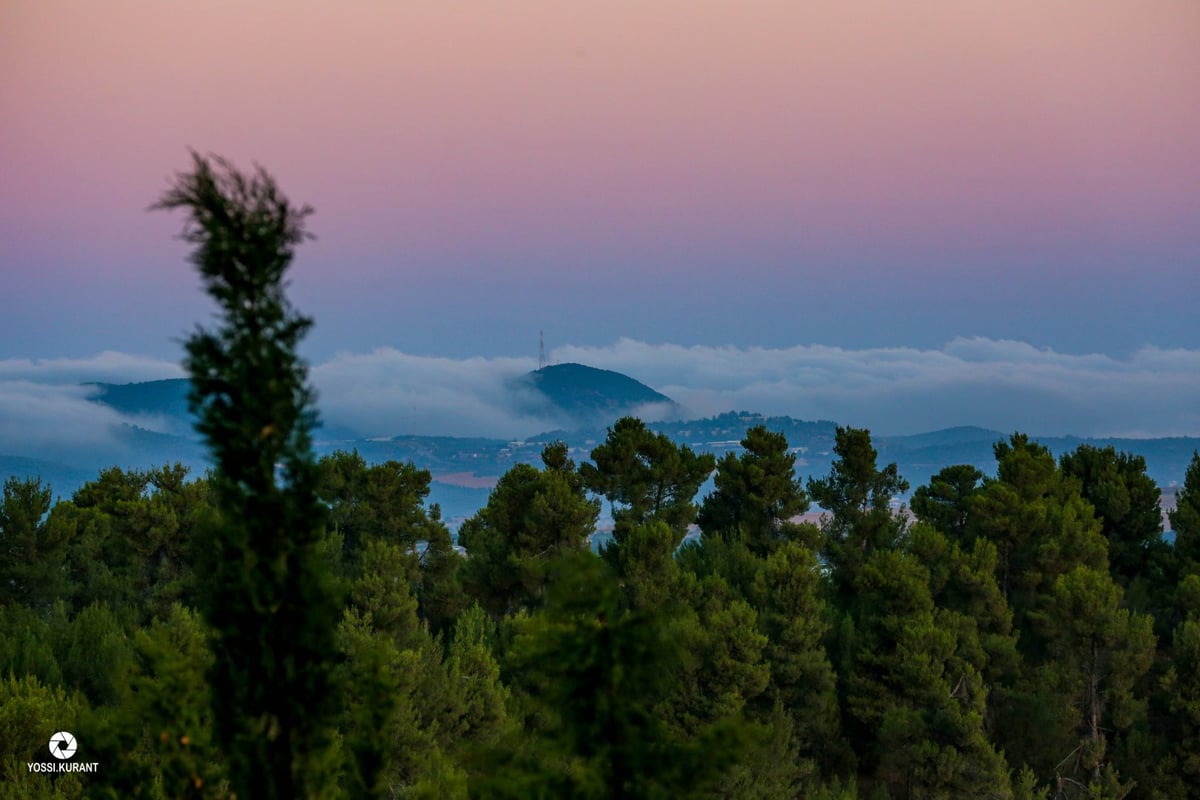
(773,175)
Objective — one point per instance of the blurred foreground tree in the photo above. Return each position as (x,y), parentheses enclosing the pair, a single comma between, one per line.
(263,587)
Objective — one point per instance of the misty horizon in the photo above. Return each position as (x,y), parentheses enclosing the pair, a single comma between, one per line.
(999,385)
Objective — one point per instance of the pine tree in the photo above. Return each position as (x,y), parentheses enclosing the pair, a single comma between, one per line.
(945,502)
(593,672)
(969,601)
(158,741)
(857,494)
(793,616)
(1126,501)
(646,476)
(1182,688)
(918,708)
(531,517)
(1099,653)
(1185,520)
(757,494)
(398,718)
(31,552)
(1041,525)
(379,501)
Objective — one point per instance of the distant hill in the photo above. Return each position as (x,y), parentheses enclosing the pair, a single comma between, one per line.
(161,405)
(962,435)
(156,398)
(586,400)
(167,400)
(730,428)
(588,396)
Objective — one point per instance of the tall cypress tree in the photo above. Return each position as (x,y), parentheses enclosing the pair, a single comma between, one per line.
(265,592)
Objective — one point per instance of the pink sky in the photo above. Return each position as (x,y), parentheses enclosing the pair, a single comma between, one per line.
(571,147)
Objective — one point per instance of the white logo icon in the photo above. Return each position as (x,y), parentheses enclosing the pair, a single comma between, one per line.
(63,745)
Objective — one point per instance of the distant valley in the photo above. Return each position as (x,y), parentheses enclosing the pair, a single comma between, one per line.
(587,400)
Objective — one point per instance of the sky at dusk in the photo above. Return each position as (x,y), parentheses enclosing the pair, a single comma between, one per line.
(762,176)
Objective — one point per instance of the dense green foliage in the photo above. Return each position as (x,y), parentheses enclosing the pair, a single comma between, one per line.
(987,647)
(291,627)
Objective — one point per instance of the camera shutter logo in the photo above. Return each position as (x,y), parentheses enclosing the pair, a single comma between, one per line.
(63,745)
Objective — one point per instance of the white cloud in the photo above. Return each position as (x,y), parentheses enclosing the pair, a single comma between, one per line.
(1005,385)
(106,367)
(387,392)
(45,412)
(52,421)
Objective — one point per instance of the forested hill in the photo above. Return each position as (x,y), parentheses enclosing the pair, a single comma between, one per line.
(582,396)
(166,398)
(590,396)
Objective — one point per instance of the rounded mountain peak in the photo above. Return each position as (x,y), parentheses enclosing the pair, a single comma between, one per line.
(590,395)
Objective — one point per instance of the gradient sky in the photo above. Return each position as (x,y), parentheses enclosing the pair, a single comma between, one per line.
(854,174)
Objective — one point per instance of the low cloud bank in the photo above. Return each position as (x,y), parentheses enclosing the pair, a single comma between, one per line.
(45,411)
(1005,385)
(54,422)
(387,392)
(1001,384)
(107,367)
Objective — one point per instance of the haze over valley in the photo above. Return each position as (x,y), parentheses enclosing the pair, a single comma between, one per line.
(470,421)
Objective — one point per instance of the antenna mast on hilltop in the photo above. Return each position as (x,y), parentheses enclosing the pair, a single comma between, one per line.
(541,350)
